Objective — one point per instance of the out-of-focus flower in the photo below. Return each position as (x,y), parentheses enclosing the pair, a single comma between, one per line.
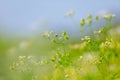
(109,16)
(107,44)
(71,73)
(70,13)
(89,57)
(89,21)
(89,16)
(86,38)
(81,57)
(22,59)
(88,62)
(99,31)
(23,45)
(12,51)
(30,57)
(46,34)
(101,13)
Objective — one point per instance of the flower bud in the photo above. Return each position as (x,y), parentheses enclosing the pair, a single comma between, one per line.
(56,35)
(82,22)
(64,33)
(96,18)
(89,16)
(66,37)
(89,21)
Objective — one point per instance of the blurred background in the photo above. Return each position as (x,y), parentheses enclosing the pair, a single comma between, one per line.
(27,17)
(23,21)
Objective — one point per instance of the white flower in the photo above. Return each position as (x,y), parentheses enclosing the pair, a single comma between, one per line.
(106,14)
(109,16)
(70,13)
(29,57)
(90,57)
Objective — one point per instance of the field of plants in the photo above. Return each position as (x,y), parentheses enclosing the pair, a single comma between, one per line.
(54,56)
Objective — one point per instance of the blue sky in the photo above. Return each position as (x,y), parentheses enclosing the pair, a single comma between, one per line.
(20,15)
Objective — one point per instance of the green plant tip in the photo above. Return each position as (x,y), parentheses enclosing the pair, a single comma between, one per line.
(53,41)
(66,37)
(64,33)
(96,18)
(56,35)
